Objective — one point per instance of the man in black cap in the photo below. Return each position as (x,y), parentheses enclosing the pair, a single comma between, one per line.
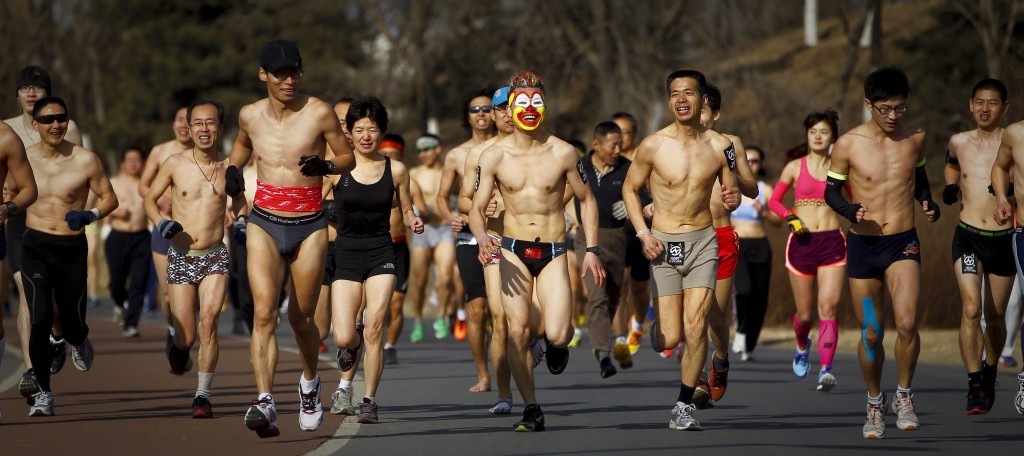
(289,132)
(33,84)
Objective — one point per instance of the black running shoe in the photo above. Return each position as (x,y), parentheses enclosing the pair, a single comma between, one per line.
(654,337)
(29,386)
(607,368)
(557,358)
(390,355)
(988,383)
(179,360)
(60,354)
(533,420)
(201,407)
(977,403)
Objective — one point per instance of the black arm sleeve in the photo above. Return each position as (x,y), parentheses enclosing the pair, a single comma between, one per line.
(834,198)
(922,192)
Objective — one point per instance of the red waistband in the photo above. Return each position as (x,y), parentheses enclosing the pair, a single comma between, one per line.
(397,239)
(724,229)
(290,199)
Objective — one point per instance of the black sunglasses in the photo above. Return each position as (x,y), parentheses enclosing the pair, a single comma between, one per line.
(476,109)
(47,120)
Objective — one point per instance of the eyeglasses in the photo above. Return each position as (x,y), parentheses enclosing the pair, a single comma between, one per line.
(283,74)
(47,120)
(31,88)
(208,123)
(886,110)
(476,109)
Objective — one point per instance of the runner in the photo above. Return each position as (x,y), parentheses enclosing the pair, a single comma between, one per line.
(127,246)
(55,250)
(289,133)
(534,236)
(679,164)
(197,262)
(816,249)
(393,147)
(635,299)
(883,160)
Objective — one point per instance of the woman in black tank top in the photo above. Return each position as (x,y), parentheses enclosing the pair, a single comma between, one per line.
(364,259)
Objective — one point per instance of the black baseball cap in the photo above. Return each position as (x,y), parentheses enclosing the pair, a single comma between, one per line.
(279,54)
(34,75)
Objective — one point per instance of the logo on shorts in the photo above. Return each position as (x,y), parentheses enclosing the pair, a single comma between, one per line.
(969,263)
(531,253)
(912,248)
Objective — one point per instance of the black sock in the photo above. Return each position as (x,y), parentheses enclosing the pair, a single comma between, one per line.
(686,393)
(974,378)
(988,372)
(719,364)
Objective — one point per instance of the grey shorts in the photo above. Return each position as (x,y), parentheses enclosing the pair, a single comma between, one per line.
(690,260)
(433,236)
(288,232)
(190,267)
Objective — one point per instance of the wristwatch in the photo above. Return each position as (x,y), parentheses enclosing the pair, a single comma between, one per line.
(596,250)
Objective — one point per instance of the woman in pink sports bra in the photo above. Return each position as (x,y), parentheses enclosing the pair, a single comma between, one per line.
(816,247)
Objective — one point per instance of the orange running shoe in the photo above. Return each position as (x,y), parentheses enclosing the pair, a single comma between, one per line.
(461,329)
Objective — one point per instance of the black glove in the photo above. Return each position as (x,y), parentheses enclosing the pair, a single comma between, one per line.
(933,206)
(316,166)
(168,228)
(331,210)
(238,230)
(78,219)
(234,183)
(950,193)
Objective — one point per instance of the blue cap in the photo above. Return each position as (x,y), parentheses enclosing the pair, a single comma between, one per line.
(500,97)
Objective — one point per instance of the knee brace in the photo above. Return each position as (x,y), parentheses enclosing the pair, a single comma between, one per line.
(870,320)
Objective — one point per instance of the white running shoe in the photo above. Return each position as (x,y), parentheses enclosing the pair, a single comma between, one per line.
(826,381)
(906,416)
(874,426)
(341,403)
(43,405)
(82,356)
(739,343)
(502,407)
(262,418)
(682,418)
(312,412)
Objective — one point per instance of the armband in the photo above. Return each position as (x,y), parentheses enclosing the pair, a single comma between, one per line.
(834,197)
(579,168)
(951,160)
(730,157)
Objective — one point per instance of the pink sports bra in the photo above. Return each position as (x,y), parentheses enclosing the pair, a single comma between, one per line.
(808,191)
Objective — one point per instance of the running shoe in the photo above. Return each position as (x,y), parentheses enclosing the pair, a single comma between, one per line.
(633,341)
(29,386)
(367,412)
(622,355)
(43,404)
(826,381)
(801,364)
(390,355)
(341,402)
(460,330)
(82,356)
(977,402)
(60,354)
(502,407)
(262,418)
(577,337)
(322,348)
(1018,401)
(131,332)
(179,360)
(118,316)
(988,384)
(702,395)
(874,425)
(347,358)
(746,356)
(533,420)
(557,358)
(440,328)
(537,351)
(311,413)
(739,343)
(416,336)
(718,380)
(682,418)
(607,368)
(201,407)
(1008,361)
(906,416)
(654,339)
(667,353)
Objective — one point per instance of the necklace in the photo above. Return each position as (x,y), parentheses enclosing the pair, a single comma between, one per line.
(213,175)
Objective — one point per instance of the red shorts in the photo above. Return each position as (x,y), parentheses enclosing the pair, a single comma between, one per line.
(728,251)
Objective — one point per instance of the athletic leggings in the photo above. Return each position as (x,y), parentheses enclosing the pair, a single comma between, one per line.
(128,259)
(753,276)
(54,269)
(239,290)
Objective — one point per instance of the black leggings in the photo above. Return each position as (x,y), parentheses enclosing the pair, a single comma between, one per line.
(753,276)
(128,259)
(239,290)
(54,270)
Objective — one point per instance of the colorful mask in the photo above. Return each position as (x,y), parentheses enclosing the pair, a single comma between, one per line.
(528,110)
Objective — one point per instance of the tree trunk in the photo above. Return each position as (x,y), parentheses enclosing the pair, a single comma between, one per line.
(811,22)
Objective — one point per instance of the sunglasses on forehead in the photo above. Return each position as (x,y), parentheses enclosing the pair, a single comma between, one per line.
(476,109)
(47,120)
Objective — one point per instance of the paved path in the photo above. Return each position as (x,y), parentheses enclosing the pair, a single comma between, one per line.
(129,404)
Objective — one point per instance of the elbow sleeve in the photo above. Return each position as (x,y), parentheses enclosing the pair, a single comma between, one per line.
(834,197)
(775,203)
(922,191)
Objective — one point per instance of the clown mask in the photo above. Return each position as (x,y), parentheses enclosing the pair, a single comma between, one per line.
(528,108)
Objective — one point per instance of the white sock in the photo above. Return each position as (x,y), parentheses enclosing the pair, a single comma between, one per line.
(461,314)
(308,385)
(369,399)
(387,345)
(345,385)
(901,390)
(267,396)
(205,379)
(620,339)
(876,400)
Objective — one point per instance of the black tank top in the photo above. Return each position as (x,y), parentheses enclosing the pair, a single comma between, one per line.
(364,210)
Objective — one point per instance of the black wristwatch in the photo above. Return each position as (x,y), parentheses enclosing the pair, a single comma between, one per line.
(12,208)
(596,250)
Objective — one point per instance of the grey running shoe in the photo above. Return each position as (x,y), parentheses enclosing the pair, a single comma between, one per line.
(43,404)
(60,354)
(311,413)
(537,351)
(826,381)
(367,412)
(82,356)
(28,386)
(262,418)
(682,418)
(341,403)
(1018,401)
(502,407)
(906,416)
(390,355)
(874,425)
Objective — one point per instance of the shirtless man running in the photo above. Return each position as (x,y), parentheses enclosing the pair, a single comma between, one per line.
(680,164)
(533,245)
(127,247)
(288,132)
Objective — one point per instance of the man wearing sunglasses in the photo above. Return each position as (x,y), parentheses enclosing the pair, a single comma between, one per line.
(478,120)
(54,255)
(33,84)
(883,161)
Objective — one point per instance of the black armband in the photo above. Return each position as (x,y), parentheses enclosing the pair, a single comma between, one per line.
(579,168)
(730,157)
(951,160)
(834,197)
(922,192)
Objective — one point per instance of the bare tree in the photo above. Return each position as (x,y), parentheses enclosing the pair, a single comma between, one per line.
(994,22)
(811,22)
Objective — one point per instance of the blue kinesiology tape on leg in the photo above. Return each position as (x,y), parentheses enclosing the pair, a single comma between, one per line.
(870,321)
